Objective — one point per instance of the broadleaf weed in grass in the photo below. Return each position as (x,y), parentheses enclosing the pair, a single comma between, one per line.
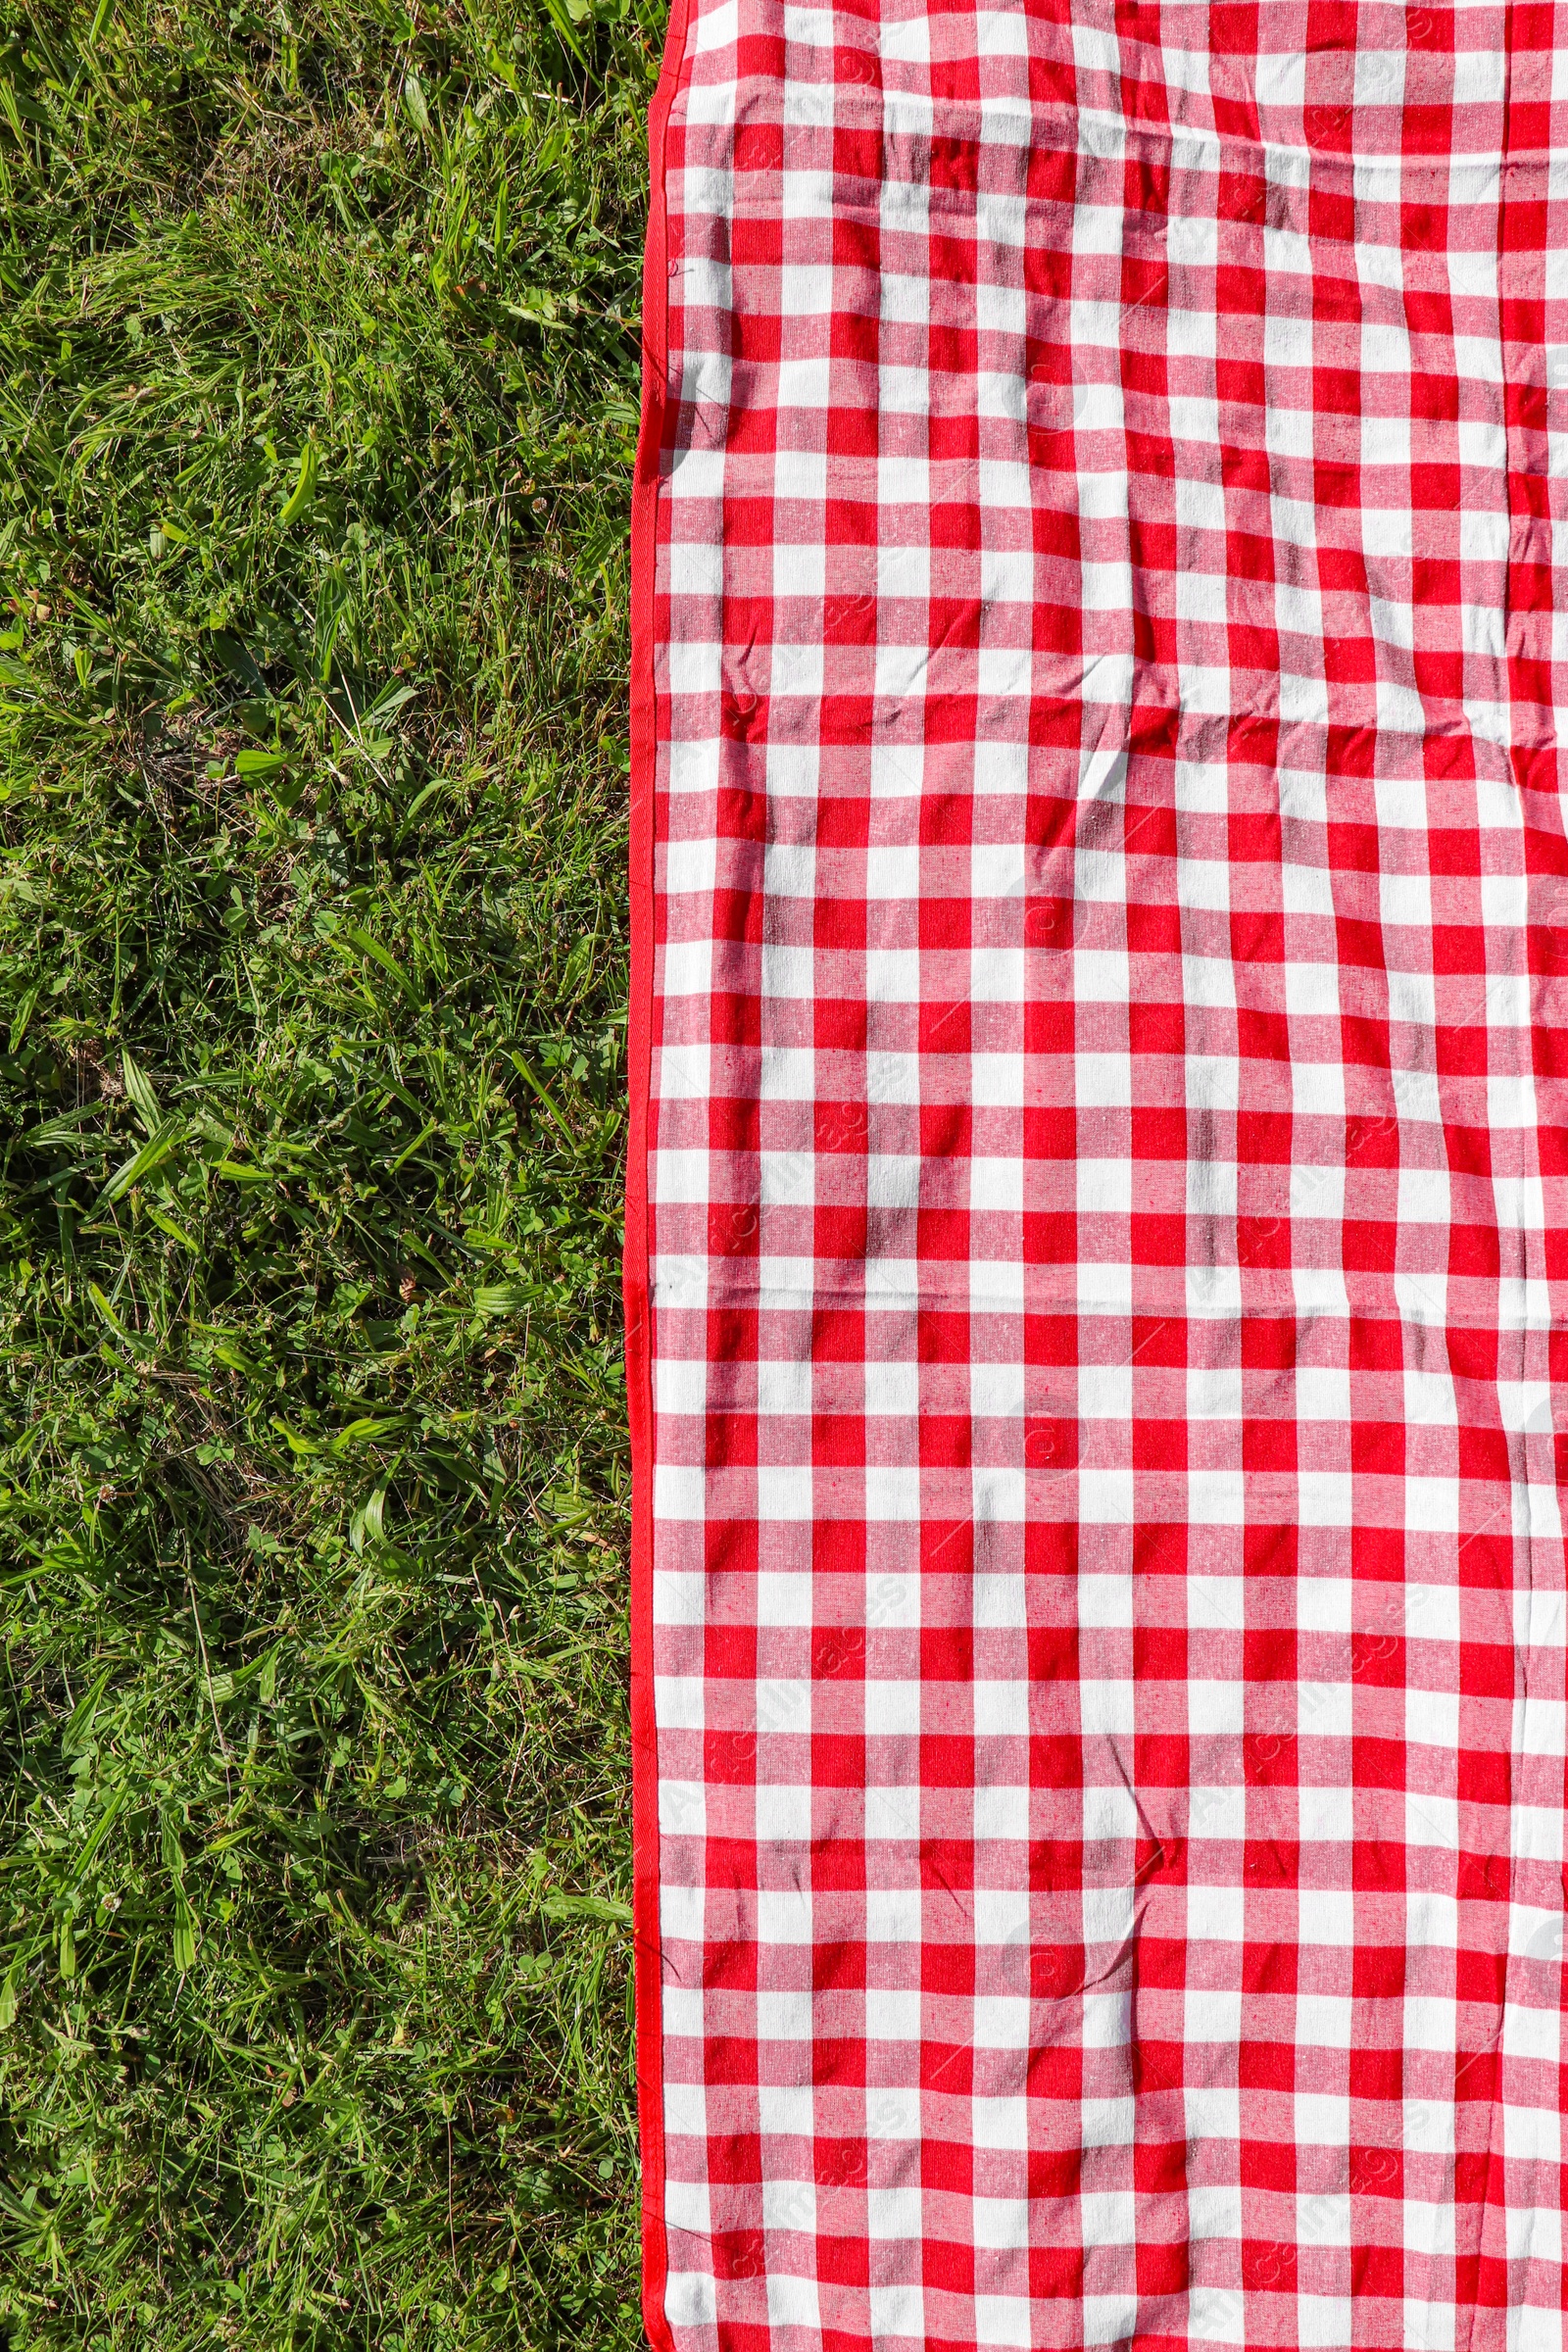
(317,394)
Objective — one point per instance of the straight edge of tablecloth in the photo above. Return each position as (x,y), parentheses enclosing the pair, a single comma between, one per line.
(639,1058)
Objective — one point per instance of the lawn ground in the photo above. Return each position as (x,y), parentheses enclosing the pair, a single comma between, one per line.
(318,398)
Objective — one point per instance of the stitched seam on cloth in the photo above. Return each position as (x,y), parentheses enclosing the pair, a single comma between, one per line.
(646,1960)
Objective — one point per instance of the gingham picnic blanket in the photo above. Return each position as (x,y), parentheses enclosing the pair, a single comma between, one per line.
(1098,1241)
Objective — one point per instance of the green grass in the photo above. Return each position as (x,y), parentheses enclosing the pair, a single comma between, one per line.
(318,397)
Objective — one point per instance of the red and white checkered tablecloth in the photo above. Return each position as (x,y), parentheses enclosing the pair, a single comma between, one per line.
(1098,1240)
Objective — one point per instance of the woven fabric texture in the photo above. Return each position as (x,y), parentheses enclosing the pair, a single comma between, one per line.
(1106,911)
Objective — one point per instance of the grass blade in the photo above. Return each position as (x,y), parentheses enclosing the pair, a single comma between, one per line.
(303,490)
(165,1140)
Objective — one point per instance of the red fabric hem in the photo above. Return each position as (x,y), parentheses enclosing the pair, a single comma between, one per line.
(639,1050)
